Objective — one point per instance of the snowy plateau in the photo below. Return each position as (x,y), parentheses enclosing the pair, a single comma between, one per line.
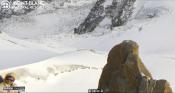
(46,55)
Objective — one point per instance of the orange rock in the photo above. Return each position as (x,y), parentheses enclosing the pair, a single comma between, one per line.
(125,72)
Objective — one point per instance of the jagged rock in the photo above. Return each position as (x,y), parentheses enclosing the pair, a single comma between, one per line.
(154,86)
(124,10)
(125,72)
(121,73)
(119,11)
(93,19)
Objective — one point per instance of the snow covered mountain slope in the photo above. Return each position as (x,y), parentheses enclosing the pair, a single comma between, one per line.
(65,73)
(74,62)
(79,71)
(47,21)
(12,53)
(55,28)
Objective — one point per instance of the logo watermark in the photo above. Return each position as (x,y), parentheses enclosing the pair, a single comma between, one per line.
(21,4)
(5,5)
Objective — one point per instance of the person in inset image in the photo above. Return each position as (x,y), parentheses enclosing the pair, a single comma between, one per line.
(8,82)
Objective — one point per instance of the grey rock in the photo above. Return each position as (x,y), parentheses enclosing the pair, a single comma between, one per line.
(119,12)
(93,19)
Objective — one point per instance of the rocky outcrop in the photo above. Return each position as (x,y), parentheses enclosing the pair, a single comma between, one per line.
(154,86)
(126,73)
(118,11)
(121,12)
(93,19)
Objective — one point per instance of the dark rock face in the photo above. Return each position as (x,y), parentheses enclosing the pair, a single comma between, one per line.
(93,19)
(125,72)
(119,11)
(121,73)
(154,86)
(124,11)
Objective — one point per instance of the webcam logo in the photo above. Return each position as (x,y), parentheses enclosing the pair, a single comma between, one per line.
(5,5)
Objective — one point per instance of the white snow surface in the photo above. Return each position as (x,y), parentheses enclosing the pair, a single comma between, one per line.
(46,56)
